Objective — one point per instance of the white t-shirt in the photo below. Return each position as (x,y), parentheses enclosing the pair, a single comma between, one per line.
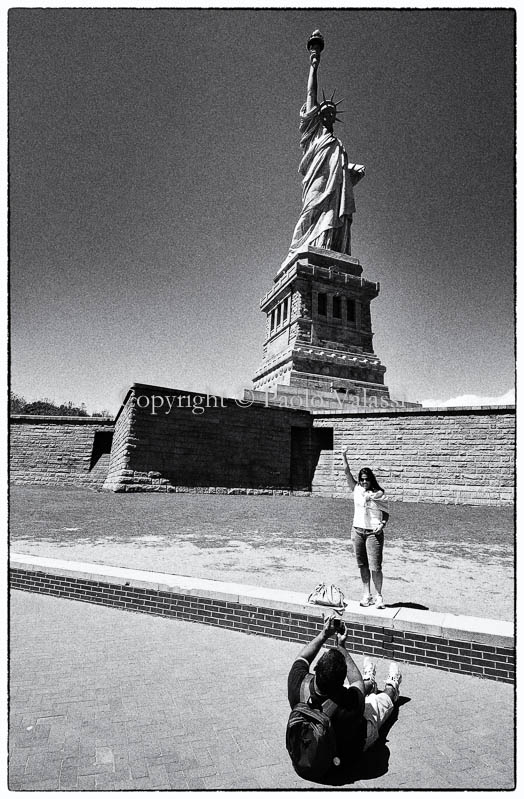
(368,511)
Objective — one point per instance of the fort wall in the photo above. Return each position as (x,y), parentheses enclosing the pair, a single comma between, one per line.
(449,455)
(215,445)
(170,440)
(59,450)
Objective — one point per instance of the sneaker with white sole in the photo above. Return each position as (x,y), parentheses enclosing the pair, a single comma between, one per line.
(366,601)
(394,678)
(379,602)
(369,671)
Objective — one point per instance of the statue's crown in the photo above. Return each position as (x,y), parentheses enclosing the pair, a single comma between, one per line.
(331,104)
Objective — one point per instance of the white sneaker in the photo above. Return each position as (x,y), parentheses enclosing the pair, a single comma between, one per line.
(379,602)
(369,671)
(394,679)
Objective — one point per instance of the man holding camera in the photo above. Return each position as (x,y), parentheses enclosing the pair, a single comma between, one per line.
(360,711)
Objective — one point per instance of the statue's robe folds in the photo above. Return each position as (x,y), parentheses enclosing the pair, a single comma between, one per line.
(328,202)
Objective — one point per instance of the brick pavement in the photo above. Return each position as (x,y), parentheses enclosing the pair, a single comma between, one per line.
(103,699)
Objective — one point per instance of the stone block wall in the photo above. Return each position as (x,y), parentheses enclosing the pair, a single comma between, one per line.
(58,450)
(448,455)
(204,443)
(123,445)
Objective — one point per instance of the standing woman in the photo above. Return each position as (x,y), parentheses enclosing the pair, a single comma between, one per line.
(371,516)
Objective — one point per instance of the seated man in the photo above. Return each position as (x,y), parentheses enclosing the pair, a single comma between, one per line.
(359,711)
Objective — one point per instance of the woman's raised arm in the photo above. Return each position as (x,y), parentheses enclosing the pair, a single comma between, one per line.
(349,477)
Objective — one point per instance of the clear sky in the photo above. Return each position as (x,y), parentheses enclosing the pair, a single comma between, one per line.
(153,182)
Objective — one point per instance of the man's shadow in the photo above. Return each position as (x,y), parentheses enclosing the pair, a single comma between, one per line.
(375,761)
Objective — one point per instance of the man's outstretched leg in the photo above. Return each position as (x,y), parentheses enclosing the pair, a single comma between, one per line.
(379,707)
(369,671)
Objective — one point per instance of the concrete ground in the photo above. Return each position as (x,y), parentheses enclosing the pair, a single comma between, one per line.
(104,699)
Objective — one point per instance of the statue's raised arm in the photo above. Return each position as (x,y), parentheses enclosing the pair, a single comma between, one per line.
(312,87)
(328,203)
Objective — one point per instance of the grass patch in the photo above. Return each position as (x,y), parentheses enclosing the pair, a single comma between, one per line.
(77,515)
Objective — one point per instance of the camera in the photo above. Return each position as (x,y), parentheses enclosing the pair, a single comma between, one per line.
(338,624)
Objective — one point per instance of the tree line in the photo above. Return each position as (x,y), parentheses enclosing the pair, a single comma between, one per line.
(46,407)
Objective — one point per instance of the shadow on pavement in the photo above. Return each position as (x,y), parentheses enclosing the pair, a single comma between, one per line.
(375,761)
(413,605)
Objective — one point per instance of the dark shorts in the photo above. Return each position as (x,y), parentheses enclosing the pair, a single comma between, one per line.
(368,548)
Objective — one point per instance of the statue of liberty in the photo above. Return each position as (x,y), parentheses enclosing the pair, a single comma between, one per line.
(328,203)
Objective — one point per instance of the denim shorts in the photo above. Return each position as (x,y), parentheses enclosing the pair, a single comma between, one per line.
(368,548)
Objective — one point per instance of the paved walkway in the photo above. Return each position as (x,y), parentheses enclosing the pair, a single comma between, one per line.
(103,699)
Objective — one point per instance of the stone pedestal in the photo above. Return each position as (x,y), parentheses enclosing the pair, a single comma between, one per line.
(318,333)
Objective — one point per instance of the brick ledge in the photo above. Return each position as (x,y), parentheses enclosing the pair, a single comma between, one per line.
(489,632)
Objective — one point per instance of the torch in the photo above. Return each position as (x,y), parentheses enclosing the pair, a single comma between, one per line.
(315,45)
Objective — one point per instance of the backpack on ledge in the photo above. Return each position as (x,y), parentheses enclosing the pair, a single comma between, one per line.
(310,738)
